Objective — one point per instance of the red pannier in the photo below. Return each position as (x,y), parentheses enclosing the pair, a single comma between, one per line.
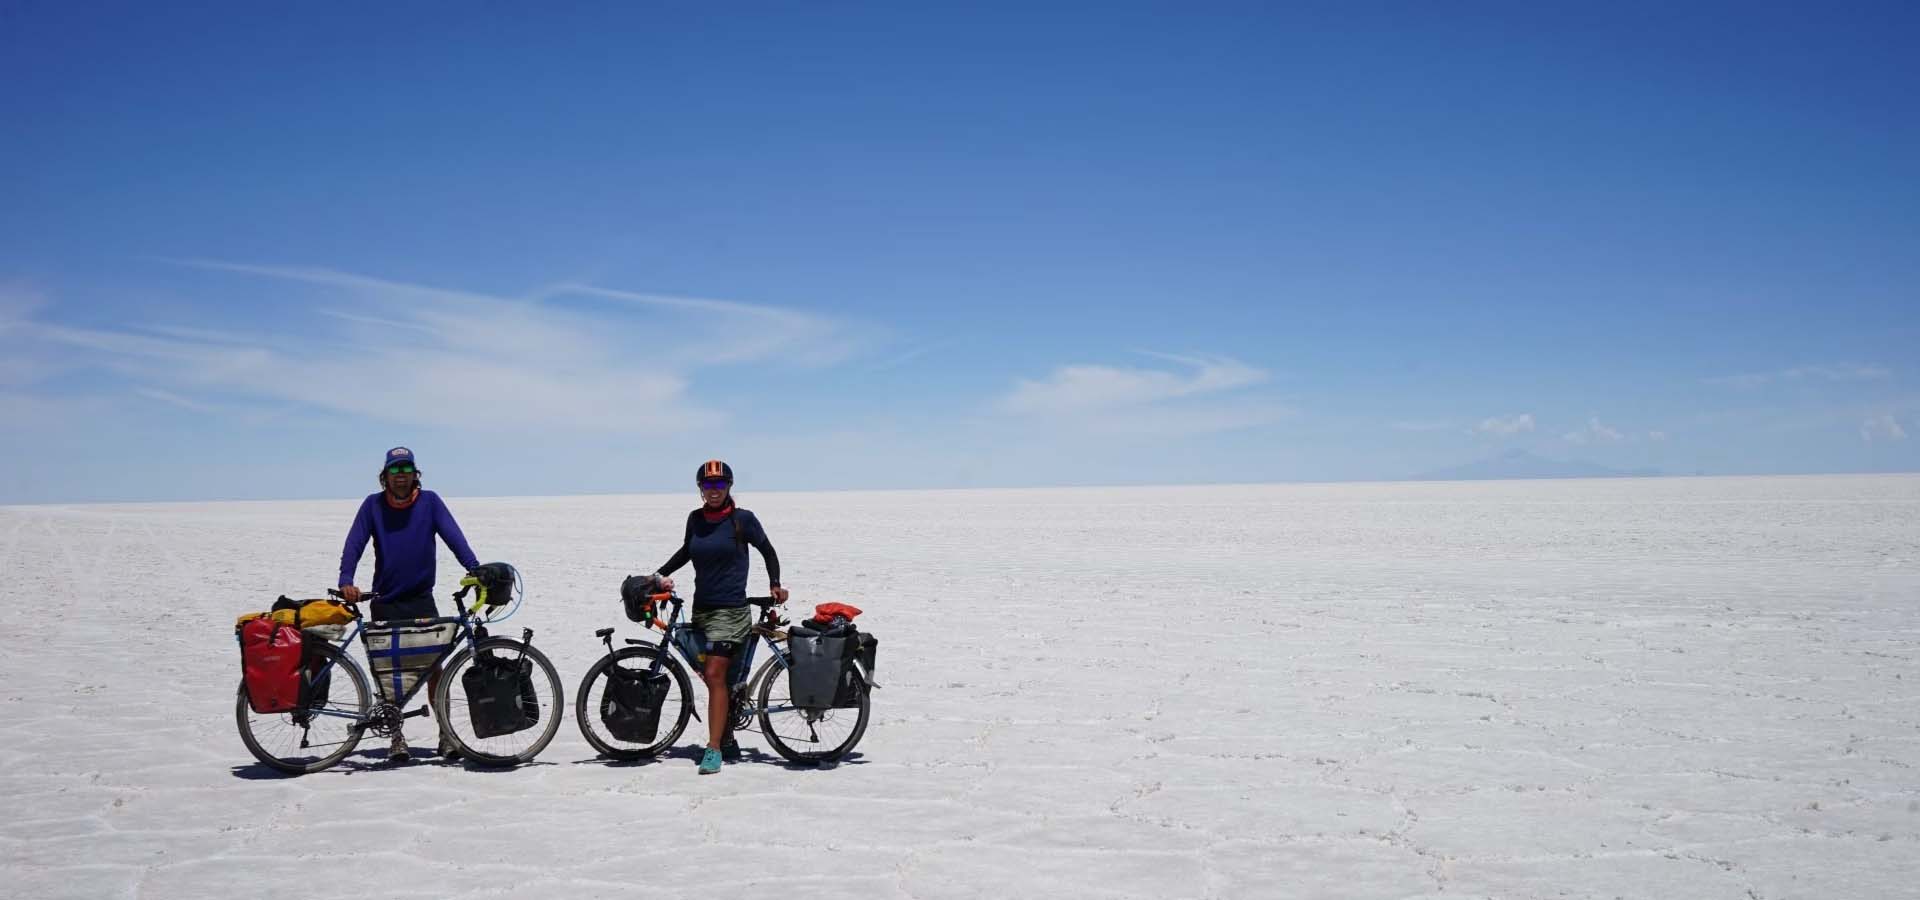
(270,663)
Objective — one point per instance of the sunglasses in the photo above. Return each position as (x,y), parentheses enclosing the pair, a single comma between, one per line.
(713,485)
(401,469)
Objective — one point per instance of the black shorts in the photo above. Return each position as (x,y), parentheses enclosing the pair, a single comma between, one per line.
(412,606)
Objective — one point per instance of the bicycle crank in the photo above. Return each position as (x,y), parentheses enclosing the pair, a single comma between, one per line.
(384,720)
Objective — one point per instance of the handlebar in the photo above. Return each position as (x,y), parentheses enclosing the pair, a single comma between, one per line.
(770,617)
(365,596)
(672,597)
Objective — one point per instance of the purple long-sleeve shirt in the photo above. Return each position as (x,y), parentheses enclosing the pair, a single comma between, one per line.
(403,551)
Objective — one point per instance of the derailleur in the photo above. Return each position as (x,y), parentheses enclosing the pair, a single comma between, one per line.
(741,713)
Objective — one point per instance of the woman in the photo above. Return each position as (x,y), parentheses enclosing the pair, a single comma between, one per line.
(716,543)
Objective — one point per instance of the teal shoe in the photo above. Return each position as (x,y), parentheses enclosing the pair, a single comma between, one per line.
(710,761)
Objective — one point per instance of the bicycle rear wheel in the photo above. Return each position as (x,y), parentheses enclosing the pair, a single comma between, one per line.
(454,708)
(675,709)
(319,736)
(805,735)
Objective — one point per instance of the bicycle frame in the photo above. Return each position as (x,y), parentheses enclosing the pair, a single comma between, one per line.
(467,630)
(739,670)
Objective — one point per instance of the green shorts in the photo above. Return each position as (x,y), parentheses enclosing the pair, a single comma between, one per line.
(730,623)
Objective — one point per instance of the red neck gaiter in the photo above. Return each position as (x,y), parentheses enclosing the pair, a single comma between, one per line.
(404,503)
(715,515)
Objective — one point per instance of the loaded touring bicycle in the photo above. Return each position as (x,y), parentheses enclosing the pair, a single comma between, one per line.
(811,697)
(499,698)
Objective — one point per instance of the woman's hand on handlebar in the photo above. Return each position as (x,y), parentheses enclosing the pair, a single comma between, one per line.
(665,585)
(778,593)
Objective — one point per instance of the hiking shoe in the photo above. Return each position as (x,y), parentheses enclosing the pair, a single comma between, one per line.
(448,749)
(730,750)
(397,751)
(710,761)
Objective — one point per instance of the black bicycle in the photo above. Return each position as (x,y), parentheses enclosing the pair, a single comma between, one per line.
(338,709)
(643,673)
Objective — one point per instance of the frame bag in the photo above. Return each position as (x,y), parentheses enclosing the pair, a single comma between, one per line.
(400,654)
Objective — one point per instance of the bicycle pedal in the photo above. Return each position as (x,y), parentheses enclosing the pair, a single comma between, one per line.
(417,713)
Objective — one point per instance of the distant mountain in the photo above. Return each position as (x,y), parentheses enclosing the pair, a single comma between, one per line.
(1515,464)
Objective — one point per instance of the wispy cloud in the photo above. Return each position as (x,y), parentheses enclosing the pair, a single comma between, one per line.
(375,321)
(393,351)
(1882,428)
(1833,372)
(741,332)
(172,399)
(1594,432)
(1092,388)
(908,356)
(1505,426)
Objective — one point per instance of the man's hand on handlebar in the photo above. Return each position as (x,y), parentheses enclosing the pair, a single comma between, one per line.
(778,593)
(349,593)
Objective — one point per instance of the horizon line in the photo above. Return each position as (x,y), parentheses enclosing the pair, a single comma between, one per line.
(988,488)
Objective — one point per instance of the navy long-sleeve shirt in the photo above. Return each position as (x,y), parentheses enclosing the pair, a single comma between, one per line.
(719,558)
(403,551)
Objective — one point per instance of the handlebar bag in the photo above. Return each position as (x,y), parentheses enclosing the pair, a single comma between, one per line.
(496,581)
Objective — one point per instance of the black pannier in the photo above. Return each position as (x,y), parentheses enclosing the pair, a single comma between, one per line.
(500,697)
(315,676)
(630,706)
(847,691)
(822,674)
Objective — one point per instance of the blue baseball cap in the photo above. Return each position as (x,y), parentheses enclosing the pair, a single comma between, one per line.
(398,455)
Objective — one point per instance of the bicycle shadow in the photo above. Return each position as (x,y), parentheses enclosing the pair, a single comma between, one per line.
(689,752)
(748,756)
(262,772)
(377,761)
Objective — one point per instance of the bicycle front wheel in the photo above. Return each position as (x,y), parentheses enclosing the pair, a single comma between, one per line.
(318,736)
(803,734)
(541,698)
(591,703)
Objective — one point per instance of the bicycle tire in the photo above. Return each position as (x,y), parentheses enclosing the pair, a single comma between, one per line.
(586,706)
(507,749)
(791,745)
(270,736)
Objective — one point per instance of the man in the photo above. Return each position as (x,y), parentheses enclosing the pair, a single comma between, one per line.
(402,520)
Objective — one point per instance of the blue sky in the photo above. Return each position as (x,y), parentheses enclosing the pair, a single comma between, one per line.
(245,250)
